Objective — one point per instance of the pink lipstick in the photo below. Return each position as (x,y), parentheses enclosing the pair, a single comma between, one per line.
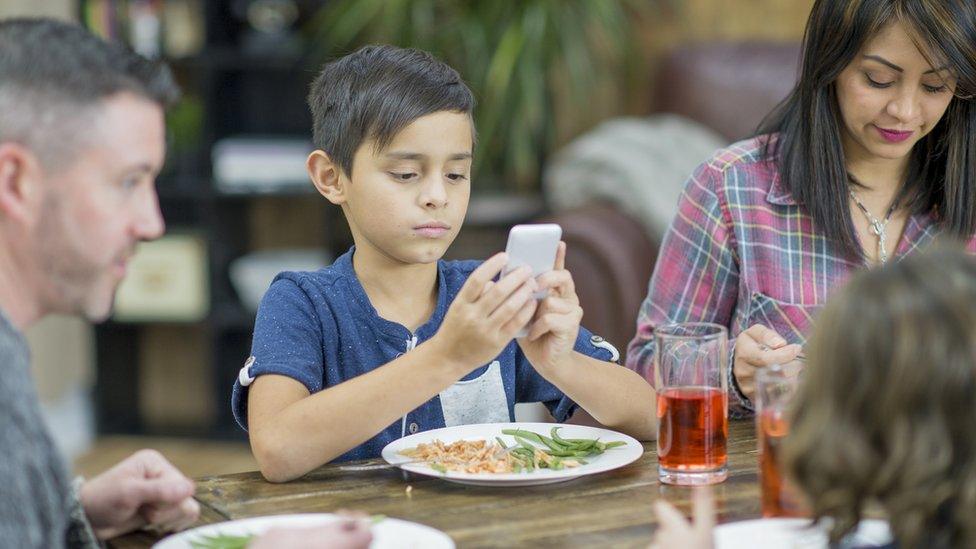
(893,136)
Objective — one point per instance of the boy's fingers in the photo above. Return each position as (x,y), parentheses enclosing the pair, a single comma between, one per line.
(505,288)
(560,256)
(510,305)
(560,281)
(474,286)
(521,319)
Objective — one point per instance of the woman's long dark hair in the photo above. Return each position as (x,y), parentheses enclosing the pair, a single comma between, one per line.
(805,129)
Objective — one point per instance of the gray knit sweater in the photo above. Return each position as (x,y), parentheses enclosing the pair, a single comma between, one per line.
(38,505)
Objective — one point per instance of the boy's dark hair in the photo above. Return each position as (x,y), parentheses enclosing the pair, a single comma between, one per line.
(376,91)
(52,73)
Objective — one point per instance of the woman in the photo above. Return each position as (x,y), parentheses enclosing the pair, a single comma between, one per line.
(893,373)
(871,156)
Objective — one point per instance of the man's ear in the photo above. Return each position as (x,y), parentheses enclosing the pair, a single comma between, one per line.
(20,178)
(326,175)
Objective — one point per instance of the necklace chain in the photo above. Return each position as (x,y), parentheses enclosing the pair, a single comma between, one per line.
(878,227)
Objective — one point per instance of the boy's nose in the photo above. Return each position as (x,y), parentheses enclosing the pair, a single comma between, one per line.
(434,194)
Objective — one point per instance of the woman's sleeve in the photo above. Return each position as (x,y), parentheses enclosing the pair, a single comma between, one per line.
(696,278)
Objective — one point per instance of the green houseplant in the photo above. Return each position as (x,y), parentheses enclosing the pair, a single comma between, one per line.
(542,70)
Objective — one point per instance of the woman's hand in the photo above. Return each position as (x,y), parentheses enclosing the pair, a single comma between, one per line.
(673,530)
(756,348)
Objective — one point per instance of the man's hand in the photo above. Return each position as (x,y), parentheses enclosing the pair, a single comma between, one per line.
(759,347)
(674,530)
(486,315)
(344,534)
(144,489)
(552,334)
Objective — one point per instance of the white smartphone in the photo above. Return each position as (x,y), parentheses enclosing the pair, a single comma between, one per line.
(534,246)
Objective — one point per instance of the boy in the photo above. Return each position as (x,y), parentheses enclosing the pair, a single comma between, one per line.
(372,348)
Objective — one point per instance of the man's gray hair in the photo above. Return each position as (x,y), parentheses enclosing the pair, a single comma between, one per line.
(54,74)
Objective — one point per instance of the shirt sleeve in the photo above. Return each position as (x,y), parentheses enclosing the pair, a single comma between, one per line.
(532,387)
(696,278)
(287,341)
(80,533)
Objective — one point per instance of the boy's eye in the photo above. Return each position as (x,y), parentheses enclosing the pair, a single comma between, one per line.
(402,176)
(130,182)
(456,176)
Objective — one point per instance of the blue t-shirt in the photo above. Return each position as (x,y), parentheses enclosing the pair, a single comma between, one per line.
(320,329)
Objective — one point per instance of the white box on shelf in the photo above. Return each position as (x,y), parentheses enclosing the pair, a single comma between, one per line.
(166,281)
(251,164)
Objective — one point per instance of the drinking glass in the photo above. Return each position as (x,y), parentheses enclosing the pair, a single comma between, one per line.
(776,387)
(691,378)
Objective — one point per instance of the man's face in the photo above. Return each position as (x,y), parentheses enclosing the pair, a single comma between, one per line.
(406,203)
(96,209)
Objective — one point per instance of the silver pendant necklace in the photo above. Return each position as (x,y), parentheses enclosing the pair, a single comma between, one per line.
(878,227)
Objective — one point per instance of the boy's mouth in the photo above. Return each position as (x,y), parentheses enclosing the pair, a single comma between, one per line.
(432,229)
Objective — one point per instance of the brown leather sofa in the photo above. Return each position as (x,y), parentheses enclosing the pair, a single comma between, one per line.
(729,87)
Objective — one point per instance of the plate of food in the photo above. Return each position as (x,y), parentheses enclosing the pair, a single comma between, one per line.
(513,454)
(388,533)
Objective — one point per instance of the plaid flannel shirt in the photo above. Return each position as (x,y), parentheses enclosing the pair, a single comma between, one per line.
(741,251)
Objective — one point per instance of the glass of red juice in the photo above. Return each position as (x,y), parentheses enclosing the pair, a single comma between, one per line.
(776,388)
(691,379)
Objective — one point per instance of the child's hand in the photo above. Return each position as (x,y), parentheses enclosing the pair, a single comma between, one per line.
(486,315)
(552,334)
(673,530)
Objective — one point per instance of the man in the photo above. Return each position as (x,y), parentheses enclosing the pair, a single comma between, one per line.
(82,138)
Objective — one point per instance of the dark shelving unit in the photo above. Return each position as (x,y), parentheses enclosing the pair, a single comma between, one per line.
(241,94)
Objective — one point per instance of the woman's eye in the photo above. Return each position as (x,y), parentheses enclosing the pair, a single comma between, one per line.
(934,89)
(875,84)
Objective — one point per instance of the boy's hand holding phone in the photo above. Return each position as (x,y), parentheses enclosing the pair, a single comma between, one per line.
(556,322)
(486,315)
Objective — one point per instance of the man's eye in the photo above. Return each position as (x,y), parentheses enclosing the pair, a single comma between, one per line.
(402,176)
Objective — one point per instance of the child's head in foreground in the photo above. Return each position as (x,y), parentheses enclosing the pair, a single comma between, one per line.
(394,139)
(888,404)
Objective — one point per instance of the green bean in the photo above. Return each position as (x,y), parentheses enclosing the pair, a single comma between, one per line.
(534,437)
(555,436)
(615,444)
(438,467)
(501,443)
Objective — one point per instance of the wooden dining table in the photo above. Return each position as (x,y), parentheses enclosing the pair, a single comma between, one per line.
(611,509)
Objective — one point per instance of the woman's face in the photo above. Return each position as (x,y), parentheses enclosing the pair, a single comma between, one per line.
(890,97)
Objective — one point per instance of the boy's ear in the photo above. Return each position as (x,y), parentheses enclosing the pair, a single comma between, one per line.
(20,177)
(326,175)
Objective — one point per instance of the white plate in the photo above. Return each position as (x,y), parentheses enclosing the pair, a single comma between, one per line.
(611,459)
(388,533)
(796,533)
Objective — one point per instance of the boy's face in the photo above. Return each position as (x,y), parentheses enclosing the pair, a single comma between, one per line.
(407,202)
